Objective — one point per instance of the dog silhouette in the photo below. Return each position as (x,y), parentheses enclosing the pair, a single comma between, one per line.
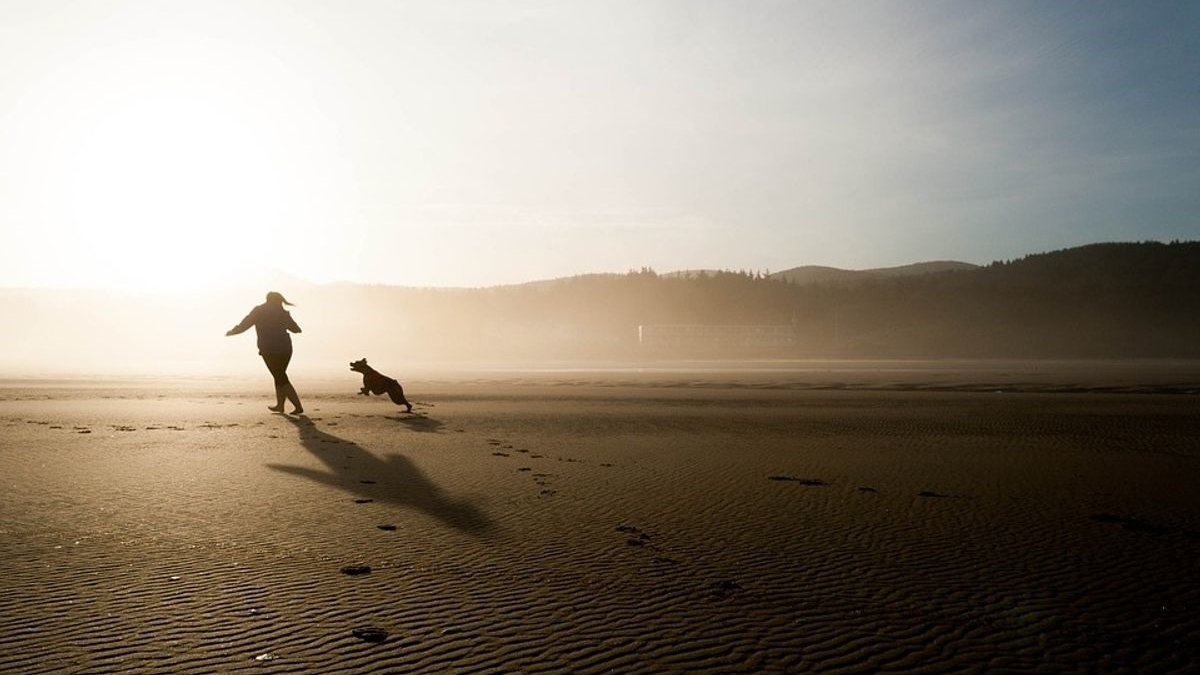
(375,382)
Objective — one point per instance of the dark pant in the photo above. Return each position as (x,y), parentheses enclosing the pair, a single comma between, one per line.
(277,364)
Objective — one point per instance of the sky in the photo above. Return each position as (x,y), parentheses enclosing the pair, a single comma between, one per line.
(169,145)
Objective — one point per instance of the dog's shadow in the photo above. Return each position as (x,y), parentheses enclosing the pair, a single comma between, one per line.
(420,422)
(395,480)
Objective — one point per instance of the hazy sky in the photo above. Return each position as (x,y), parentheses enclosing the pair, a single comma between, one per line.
(165,144)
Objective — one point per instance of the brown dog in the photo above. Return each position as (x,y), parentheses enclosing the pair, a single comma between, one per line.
(375,382)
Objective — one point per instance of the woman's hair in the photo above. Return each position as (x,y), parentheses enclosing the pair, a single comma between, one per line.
(275,296)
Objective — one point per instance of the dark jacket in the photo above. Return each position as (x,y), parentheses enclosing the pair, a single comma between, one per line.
(272,323)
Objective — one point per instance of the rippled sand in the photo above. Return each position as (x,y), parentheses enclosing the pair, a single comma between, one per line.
(603,524)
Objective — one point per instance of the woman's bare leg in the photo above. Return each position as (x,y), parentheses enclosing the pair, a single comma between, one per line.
(279,396)
(292,396)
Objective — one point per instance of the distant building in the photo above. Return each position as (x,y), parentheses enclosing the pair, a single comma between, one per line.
(715,336)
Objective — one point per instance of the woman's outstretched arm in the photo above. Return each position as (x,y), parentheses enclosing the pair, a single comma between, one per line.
(243,326)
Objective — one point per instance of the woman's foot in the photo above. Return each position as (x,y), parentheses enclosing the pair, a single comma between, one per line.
(275,408)
(297,411)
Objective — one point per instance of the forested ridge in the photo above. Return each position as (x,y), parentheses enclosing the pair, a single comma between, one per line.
(1134,299)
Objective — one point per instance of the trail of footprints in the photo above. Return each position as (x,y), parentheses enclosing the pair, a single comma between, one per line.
(1136,524)
(504,449)
(817,482)
(714,588)
(1131,523)
(127,428)
(635,538)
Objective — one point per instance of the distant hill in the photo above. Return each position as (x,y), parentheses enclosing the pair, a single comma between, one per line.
(817,274)
(558,281)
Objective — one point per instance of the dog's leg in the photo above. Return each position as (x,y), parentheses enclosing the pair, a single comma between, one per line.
(396,393)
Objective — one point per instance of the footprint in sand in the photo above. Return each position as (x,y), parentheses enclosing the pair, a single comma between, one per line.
(387,528)
(367,482)
(356,570)
(1135,524)
(369,634)
(864,488)
(932,495)
(723,588)
(636,536)
(500,454)
(363,501)
(803,481)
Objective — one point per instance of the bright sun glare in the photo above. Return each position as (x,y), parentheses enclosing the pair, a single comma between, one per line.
(169,195)
(172,152)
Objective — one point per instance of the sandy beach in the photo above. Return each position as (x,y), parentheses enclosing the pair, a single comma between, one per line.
(955,521)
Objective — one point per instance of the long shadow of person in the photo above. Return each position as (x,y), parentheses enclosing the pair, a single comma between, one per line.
(397,480)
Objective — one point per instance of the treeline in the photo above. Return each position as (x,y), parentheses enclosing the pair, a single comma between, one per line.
(1104,300)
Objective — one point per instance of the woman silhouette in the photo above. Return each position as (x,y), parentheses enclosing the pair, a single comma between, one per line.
(272,323)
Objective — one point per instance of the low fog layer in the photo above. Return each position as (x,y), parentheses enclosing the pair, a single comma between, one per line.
(1112,300)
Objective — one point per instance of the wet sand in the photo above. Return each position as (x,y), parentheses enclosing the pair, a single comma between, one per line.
(594,523)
